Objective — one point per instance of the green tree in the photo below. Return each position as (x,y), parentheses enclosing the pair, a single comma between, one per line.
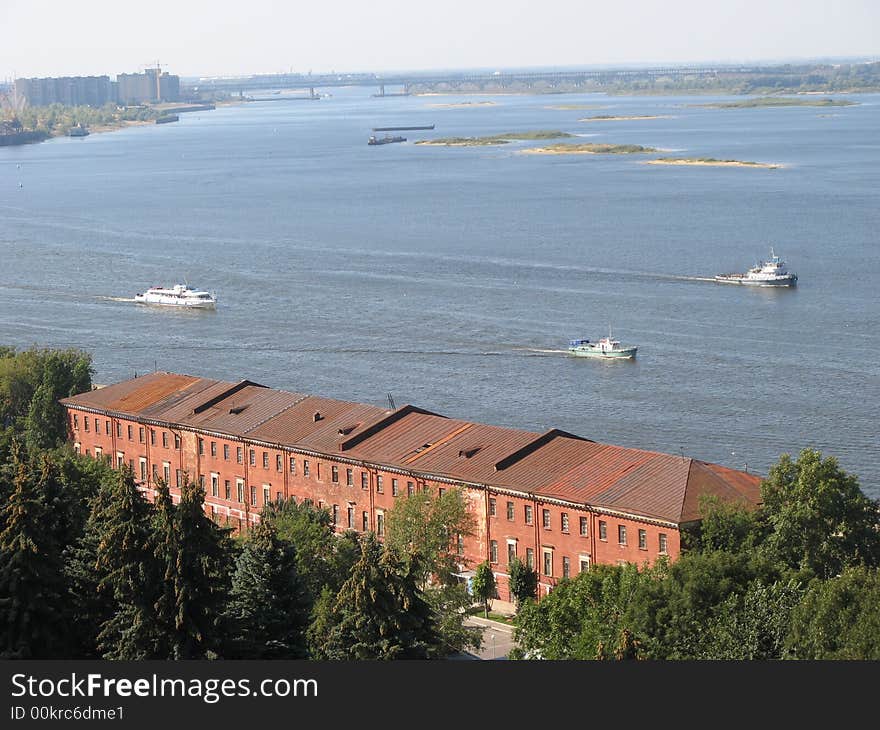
(423,529)
(819,518)
(449,604)
(195,555)
(729,526)
(839,618)
(379,613)
(522,581)
(32,585)
(128,572)
(268,610)
(322,558)
(483,585)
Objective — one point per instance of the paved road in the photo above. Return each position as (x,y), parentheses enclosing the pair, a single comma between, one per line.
(497,638)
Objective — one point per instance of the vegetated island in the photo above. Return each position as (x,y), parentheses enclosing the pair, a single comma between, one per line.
(590,148)
(462,104)
(495,139)
(775,101)
(710,162)
(611,118)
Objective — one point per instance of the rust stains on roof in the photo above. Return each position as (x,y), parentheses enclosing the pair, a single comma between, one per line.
(553,465)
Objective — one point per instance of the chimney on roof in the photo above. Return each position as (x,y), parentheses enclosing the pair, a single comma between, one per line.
(317,417)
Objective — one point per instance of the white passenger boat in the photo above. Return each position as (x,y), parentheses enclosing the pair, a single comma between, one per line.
(766,273)
(605,347)
(179,295)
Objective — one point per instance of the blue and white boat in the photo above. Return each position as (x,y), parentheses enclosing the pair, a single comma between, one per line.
(606,347)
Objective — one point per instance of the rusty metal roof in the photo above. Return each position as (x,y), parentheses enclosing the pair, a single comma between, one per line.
(553,465)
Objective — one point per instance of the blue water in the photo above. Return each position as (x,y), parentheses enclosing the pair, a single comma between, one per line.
(453,278)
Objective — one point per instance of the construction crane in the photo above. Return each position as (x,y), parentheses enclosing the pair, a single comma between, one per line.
(158,70)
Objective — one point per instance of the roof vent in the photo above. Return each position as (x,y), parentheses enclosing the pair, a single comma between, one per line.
(468,453)
(347,430)
(235,410)
(317,417)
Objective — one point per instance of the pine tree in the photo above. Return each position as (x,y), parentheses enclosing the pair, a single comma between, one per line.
(126,571)
(379,612)
(32,586)
(195,555)
(268,610)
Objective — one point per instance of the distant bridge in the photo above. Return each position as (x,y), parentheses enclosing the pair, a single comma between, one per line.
(453,80)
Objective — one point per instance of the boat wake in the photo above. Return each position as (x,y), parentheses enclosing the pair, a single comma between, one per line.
(538,351)
(116,299)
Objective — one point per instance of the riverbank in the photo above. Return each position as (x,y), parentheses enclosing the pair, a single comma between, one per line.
(607,118)
(710,162)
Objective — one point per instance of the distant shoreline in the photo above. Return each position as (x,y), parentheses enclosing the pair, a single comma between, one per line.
(710,162)
(604,118)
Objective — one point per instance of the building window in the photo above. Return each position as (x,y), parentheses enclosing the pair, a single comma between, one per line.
(253,496)
(349,477)
(176,441)
(129,431)
(564,521)
(441,491)
(141,434)
(75,421)
(530,558)
(510,511)
(107,428)
(292,465)
(527,511)
(566,567)
(77,448)
(548,563)
(178,477)
(395,489)
(334,474)
(201,447)
(215,485)
(267,493)
(493,551)
(365,480)
(265,459)
(662,538)
(143,465)
(252,457)
(120,459)
(380,524)
(86,423)
(227,491)
(603,530)
(545,516)
(585,563)
(350,512)
(583,526)
(459,545)
(621,534)
(279,463)
(166,472)
(239,454)
(239,490)
(492,506)
(511,552)
(410,489)
(305,467)
(379,488)
(164,439)
(118,429)
(365,518)
(643,540)
(335,514)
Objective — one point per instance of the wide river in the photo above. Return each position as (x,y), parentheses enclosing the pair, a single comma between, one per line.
(453,278)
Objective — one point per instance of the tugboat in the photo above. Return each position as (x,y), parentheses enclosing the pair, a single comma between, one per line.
(387,139)
(605,347)
(179,295)
(766,273)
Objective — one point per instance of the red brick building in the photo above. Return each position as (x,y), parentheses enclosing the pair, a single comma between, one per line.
(557,501)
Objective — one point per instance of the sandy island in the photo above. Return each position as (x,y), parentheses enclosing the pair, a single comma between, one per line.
(462,104)
(709,162)
(589,148)
(115,127)
(575,107)
(603,118)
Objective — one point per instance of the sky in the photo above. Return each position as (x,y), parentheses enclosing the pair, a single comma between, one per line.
(235,37)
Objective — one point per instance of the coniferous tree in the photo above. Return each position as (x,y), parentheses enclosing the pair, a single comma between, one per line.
(126,570)
(378,613)
(268,611)
(523,582)
(195,556)
(32,585)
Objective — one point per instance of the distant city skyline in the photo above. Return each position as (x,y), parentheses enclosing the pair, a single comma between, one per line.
(96,37)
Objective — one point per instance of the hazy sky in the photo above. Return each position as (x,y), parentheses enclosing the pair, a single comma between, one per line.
(81,37)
